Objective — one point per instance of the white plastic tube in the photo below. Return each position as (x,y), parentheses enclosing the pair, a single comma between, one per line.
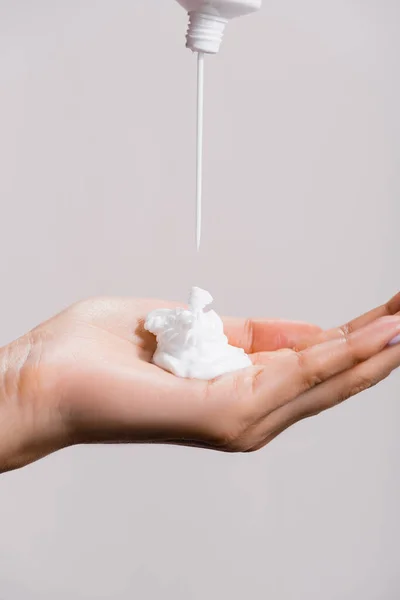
(208,18)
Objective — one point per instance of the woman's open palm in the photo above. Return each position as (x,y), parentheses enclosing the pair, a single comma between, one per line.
(86,376)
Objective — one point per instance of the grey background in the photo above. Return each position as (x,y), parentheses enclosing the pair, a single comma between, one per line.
(301,221)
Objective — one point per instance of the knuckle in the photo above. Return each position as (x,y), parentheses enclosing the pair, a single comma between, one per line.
(249,335)
(361,384)
(310,378)
(346,330)
(351,351)
(350,348)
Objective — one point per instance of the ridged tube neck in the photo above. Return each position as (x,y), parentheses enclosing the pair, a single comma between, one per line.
(205,32)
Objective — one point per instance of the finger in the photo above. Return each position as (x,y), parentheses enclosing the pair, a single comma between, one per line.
(385,310)
(293,373)
(388,309)
(348,384)
(259,335)
(327,395)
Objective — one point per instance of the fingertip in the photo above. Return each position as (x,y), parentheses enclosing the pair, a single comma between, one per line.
(394,341)
(394,304)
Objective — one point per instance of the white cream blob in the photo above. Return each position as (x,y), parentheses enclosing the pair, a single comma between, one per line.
(191,343)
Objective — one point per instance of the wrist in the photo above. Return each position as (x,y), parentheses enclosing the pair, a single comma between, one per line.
(11,422)
(30,427)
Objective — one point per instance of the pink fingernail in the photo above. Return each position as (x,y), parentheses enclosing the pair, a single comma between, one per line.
(394,341)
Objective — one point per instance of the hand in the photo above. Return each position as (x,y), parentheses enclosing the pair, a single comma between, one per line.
(85,376)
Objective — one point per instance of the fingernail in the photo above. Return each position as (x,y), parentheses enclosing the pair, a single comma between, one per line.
(394,341)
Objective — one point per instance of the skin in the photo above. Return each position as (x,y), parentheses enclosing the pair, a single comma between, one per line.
(85,376)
